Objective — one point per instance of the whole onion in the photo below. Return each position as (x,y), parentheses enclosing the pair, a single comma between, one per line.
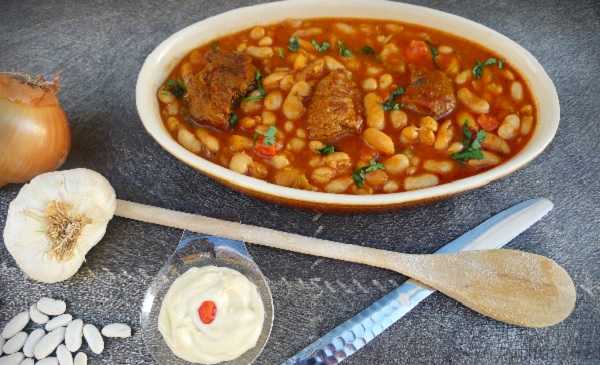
(34,131)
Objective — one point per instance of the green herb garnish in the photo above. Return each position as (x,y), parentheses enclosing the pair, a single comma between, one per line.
(478,68)
(472,146)
(329,149)
(259,86)
(390,103)
(293,44)
(320,47)
(177,88)
(269,136)
(368,50)
(233,120)
(343,49)
(434,52)
(360,174)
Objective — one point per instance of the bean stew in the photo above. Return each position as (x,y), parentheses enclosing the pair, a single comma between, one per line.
(349,106)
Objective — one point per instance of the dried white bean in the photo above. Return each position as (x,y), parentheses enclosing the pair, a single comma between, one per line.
(59,321)
(64,356)
(51,307)
(37,316)
(2,340)
(93,338)
(48,361)
(32,340)
(27,361)
(14,359)
(73,335)
(80,359)
(120,330)
(15,325)
(15,343)
(49,343)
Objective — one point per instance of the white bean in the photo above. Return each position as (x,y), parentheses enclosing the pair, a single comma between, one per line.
(240,162)
(34,337)
(333,64)
(265,41)
(444,136)
(391,186)
(526,124)
(2,340)
(73,335)
(15,343)
(257,33)
(272,80)
(211,142)
(516,91)
(37,316)
(80,359)
(345,28)
(463,77)
(379,140)
(14,359)
(338,185)
(420,181)
(398,118)
(51,307)
(48,361)
(64,356)
(273,100)
(396,164)
(472,101)
(292,105)
(116,330)
(27,361)
(509,127)
(374,111)
(489,159)
(385,81)
(49,343)
(495,143)
(369,84)
(440,167)
(188,141)
(260,52)
(15,325)
(93,338)
(59,321)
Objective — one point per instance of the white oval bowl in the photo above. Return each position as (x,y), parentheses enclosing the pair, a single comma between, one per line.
(167,55)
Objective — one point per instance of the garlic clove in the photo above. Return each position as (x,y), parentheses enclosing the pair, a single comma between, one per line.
(55,220)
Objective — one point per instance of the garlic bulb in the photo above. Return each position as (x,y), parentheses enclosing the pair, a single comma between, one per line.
(55,220)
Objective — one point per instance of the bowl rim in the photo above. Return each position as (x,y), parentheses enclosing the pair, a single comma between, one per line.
(159,63)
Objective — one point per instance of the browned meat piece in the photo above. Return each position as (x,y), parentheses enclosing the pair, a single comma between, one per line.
(335,109)
(212,92)
(431,93)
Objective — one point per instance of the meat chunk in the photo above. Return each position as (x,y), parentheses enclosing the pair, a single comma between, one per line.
(335,109)
(430,92)
(214,90)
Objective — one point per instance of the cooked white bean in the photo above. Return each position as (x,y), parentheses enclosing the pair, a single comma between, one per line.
(265,41)
(47,344)
(420,181)
(385,81)
(80,359)
(463,77)
(391,186)
(338,185)
(333,64)
(14,359)
(308,32)
(344,28)
(338,160)
(374,111)
(59,321)
(300,61)
(93,338)
(242,47)
(455,147)
(287,82)
(188,141)
(472,101)
(15,343)
(489,159)
(272,80)
(444,136)
(526,124)
(211,142)
(509,127)
(374,70)
(292,105)
(240,162)
(173,108)
(165,96)
(516,91)
(396,164)
(409,134)
(260,52)
(322,175)
(288,126)
(445,49)
(268,118)
(427,136)
(257,33)
(15,325)
(73,335)
(379,141)
(280,161)
(273,100)
(398,118)
(296,144)
(440,167)
(39,317)
(34,337)
(48,361)
(429,123)
(369,84)
(64,356)
(495,143)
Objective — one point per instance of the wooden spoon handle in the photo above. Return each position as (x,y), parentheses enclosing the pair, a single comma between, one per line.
(253,234)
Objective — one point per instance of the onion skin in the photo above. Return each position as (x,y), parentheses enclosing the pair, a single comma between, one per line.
(34,131)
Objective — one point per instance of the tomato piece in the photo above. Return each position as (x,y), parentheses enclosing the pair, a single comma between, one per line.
(418,52)
(264,149)
(488,122)
(207,311)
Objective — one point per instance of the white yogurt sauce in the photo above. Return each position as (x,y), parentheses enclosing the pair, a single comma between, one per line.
(236,327)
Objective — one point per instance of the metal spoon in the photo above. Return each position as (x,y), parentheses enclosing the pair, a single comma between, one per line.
(511,286)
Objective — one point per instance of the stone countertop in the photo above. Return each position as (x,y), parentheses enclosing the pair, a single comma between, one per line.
(99,46)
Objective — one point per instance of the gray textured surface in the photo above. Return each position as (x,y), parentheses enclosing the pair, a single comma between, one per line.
(99,46)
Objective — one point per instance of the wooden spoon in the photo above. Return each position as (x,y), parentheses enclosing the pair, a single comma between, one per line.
(510,286)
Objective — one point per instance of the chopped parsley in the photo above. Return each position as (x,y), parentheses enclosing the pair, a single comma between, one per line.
(259,86)
(233,120)
(269,136)
(177,88)
(360,174)
(478,68)
(329,149)
(390,103)
(343,49)
(368,50)
(281,52)
(472,150)
(293,44)
(320,47)
(434,52)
